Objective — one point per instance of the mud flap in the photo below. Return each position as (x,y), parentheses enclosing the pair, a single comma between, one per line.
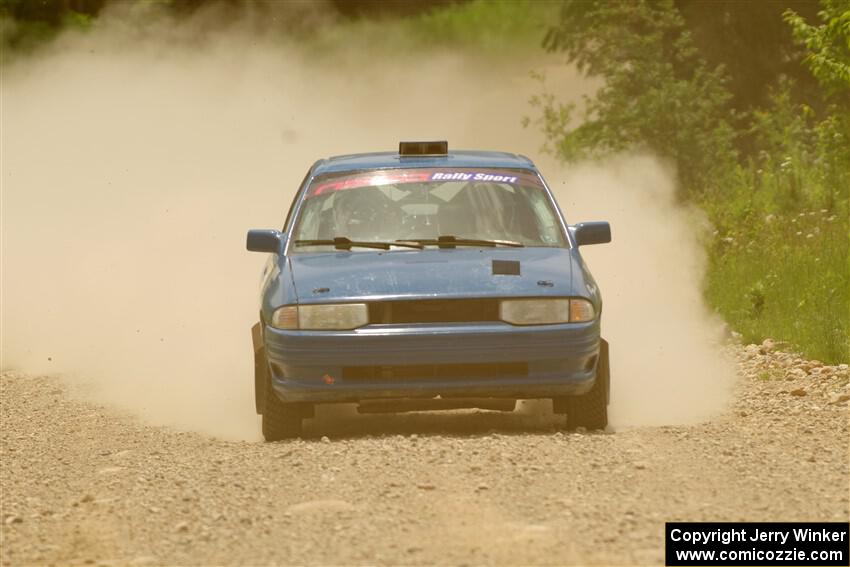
(261,369)
(603,380)
(604,352)
(257,337)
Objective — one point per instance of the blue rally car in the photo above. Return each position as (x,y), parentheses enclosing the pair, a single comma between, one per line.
(427,279)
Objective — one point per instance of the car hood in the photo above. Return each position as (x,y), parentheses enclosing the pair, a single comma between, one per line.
(460,272)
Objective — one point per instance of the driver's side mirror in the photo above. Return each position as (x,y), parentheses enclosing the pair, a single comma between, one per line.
(592,233)
(264,240)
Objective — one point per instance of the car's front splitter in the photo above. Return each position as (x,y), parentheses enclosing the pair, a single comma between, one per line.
(458,360)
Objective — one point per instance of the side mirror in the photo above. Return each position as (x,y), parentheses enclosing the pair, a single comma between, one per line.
(592,233)
(264,240)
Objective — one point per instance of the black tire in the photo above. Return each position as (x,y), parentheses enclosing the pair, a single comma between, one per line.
(590,410)
(280,420)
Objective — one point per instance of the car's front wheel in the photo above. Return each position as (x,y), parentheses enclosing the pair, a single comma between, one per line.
(590,410)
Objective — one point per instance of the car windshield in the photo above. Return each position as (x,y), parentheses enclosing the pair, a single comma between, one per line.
(496,205)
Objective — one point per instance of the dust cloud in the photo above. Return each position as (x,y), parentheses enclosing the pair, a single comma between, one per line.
(133,164)
(667,361)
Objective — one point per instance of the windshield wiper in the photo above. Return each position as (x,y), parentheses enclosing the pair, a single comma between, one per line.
(343,243)
(450,241)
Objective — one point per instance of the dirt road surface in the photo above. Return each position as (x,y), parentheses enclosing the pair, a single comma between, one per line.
(82,484)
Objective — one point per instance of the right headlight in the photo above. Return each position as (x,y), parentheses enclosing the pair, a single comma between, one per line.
(333,316)
(545,311)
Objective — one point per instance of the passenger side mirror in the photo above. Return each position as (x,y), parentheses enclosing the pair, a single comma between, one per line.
(264,240)
(592,233)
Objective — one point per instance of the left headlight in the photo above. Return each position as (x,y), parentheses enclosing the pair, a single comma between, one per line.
(545,311)
(343,316)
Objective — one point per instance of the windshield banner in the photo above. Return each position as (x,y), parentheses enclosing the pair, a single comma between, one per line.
(381,177)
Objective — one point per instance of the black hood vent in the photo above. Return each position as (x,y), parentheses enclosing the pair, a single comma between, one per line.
(506,268)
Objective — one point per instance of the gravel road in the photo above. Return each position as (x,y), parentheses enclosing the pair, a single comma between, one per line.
(82,484)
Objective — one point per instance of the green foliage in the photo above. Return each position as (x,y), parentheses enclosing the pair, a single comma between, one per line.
(657,94)
(27,25)
(494,25)
(500,27)
(828,44)
(784,225)
(778,265)
(755,46)
(22,37)
(799,156)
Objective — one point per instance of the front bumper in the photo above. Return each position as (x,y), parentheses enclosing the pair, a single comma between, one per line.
(428,360)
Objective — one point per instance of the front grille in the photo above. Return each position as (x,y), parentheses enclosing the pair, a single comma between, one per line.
(435,371)
(434,311)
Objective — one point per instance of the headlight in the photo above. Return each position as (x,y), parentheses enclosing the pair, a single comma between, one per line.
(321,317)
(545,311)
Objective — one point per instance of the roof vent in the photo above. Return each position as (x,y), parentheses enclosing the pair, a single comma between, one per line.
(423,148)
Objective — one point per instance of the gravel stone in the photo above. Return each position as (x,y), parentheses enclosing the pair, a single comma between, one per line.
(839,398)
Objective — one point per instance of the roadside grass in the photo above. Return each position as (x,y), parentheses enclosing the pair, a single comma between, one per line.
(489,27)
(780,270)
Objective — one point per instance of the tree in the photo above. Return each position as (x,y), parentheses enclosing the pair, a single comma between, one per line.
(828,44)
(657,93)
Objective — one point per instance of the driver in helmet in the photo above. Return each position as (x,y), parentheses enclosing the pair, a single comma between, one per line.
(364,213)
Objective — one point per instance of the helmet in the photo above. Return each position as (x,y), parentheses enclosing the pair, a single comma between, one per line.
(361,213)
